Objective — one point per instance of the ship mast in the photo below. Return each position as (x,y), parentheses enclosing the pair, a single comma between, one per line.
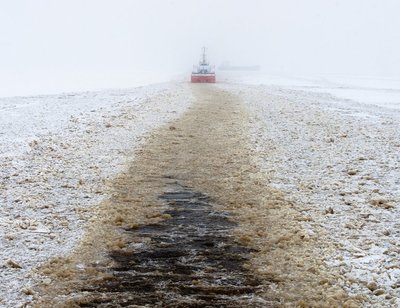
(203,57)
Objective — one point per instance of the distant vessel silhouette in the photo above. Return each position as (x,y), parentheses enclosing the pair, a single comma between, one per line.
(226,66)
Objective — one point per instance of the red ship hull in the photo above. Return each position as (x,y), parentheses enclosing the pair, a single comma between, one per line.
(203,78)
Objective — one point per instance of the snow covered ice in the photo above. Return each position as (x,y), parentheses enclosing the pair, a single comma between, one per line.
(338,159)
(335,156)
(57,152)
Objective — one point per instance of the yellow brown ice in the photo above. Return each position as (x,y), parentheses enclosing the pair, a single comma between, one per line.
(208,150)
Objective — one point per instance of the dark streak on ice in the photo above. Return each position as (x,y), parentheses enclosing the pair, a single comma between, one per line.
(191,260)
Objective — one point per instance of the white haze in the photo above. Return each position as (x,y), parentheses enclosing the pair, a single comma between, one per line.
(48,46)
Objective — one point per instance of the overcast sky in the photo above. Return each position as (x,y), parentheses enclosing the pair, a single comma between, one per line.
(61,45)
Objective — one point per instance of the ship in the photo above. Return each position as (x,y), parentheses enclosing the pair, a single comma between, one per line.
(204,72)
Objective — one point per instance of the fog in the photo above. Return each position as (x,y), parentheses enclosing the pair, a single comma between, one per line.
(50,46)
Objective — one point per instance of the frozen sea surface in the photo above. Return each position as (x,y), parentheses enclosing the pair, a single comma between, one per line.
(374,91)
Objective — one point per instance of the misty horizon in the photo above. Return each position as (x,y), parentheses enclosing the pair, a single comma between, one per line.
(52,46)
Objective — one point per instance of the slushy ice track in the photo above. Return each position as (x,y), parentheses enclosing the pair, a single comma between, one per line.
(188,260)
